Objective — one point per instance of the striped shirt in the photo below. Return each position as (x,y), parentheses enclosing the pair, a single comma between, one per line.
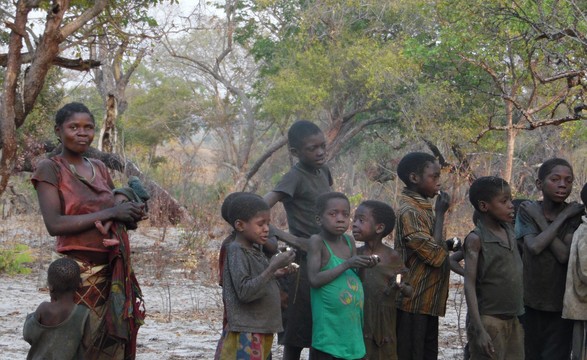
(425,258)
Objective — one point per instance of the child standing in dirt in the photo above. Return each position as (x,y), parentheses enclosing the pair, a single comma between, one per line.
(298,190)
(59,329)
(575,300)
(493,275)
(336,293)
(249,288)
(419,238)
(545,228)
(373,221)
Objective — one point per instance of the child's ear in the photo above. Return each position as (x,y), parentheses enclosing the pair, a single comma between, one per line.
(539,184)
(414,178)
(294,151)
(379,228)
(483,206)
(318,221)
(239,225)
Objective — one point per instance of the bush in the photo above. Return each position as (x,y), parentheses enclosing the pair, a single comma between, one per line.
(13,259)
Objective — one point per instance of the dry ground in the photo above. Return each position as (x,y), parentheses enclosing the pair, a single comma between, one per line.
(184,306)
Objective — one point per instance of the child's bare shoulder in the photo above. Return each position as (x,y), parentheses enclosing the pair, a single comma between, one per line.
(391,256)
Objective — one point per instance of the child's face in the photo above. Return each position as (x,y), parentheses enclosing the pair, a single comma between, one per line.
(500,207)
(313,151)
(428,184)
(557,185)
(364,227)
(336,216)
(256,230)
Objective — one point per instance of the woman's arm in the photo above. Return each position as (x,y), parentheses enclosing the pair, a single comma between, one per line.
(59,224)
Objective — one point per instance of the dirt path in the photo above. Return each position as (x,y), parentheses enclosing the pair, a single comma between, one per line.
(184,306)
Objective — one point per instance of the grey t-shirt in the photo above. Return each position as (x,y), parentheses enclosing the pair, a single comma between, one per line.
(252,302)
(302,185)
(544,276)
(61,342)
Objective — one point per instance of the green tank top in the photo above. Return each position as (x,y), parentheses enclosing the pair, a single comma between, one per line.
(337,313)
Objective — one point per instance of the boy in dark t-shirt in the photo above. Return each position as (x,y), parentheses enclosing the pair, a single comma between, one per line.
(493,274)
(298,190)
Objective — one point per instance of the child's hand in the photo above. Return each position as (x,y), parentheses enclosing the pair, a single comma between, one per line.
(281,260)
(442,202)
(573,209)
(484,343)
(361,261)
(289,269)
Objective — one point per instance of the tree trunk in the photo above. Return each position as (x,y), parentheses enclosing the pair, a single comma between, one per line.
(511,144)
(107,139)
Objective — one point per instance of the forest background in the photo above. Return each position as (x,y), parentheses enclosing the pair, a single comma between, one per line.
(196,98)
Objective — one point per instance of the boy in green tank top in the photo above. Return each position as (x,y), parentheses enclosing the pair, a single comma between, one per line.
(493,275)
(336,292)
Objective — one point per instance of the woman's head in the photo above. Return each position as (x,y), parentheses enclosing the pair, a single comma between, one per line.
(555,179)
(75,128)
(68,110)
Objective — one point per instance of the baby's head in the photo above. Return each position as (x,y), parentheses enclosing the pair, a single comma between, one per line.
(63,276)
(307,142)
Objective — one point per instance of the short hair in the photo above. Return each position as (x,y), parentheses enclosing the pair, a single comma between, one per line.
(547,166)
(486,188)
(245,207)
(63,276)
(68,110)
(414,162)
(584,195)
(382,214)
(227,202)
(299,131)
(322,200)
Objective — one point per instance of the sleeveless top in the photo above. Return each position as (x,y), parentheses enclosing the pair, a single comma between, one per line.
(337,313)
(63,341)
(499,281)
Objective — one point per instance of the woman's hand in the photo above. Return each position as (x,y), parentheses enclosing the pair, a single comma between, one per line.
(128,212)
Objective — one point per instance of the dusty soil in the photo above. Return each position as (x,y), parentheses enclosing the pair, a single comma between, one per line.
(184,305)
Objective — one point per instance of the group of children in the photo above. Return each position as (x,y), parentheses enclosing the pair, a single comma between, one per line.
(378,302)
(525,286)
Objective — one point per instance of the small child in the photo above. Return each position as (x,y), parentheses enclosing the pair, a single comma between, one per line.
(373,221)
(575,300)
(336,293)
(249,288)
(493,275)
(419,238)
(545,228)
(134,192)
(59,329)
(298,190)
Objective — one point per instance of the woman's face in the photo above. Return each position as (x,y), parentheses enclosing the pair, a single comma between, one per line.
(76,133)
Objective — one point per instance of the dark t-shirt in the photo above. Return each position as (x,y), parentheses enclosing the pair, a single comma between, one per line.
(302,186)
(544,276)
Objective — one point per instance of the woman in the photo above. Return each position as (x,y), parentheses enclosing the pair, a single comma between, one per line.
(74,193)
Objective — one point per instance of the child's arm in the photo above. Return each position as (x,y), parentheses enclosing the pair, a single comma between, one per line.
(426,245)
(472,250)
(250,288)
(299,242)
(319,278)
(272,197)
(548,235)
(455,262)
